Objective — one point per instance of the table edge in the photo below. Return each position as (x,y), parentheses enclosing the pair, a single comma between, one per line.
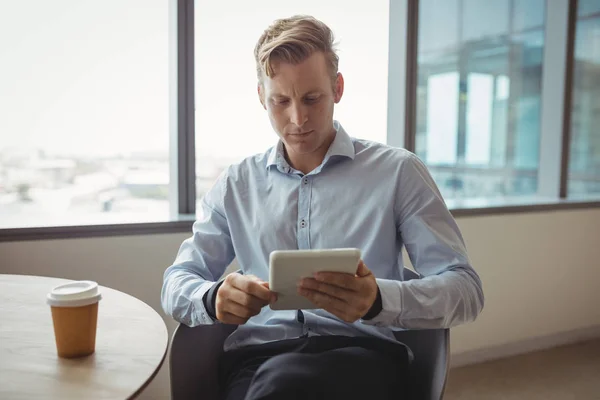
(153,375)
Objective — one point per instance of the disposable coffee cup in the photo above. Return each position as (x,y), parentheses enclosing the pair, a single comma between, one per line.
(74,307)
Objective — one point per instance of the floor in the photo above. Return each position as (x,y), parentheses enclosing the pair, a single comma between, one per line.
(563,373)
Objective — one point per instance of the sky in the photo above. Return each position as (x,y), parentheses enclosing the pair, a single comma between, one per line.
(91,77)
(84,76)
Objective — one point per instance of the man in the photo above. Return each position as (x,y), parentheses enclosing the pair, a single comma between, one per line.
(319,188)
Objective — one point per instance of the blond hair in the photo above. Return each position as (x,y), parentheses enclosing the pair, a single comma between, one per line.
(293,40)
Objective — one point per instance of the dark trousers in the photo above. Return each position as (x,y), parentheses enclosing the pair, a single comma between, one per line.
(317,367)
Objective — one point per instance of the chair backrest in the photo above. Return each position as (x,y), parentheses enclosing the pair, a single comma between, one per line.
(194,359)
(431,348)
(195,354)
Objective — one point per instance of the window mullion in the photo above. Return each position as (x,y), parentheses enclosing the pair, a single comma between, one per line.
(555,108)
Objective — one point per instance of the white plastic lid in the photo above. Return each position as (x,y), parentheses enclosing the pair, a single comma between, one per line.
(74,294)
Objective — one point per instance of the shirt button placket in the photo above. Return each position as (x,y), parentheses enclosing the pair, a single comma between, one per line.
(303,213)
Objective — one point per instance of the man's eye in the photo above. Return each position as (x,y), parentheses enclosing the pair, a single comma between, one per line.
(281,102)
(311,100)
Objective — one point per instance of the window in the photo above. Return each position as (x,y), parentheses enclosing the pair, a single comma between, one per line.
(230,122)
(584,158)
(479,95)
(587,7)
(95,110)
(84,103)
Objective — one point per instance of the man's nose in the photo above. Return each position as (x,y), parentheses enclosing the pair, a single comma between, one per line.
(299,115)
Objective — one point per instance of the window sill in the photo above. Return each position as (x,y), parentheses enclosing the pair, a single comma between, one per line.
(481,207)
(183,223)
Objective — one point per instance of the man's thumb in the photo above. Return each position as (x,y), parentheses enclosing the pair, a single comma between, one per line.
(362,269)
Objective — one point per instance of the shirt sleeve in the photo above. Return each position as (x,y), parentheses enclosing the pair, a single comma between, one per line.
(200,262)
(450,291)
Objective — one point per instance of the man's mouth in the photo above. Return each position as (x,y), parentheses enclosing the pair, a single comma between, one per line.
(301,134)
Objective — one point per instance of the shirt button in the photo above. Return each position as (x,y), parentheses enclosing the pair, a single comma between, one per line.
(305,181)
(302,223)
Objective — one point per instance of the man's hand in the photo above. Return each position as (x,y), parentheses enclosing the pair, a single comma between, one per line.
(241,297)
(349,297)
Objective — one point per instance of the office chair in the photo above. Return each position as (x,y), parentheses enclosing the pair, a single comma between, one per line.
(195,356)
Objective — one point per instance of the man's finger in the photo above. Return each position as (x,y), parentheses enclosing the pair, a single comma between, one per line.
(321,299)
(273,298)
(362,270)
(245,299)
(237,309)
(252,286)
(228,318)
(340,279)
(328,303)
(334,291)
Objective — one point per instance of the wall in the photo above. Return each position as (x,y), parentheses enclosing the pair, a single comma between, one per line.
(541,273)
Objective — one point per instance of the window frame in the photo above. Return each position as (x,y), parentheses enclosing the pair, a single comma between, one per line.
(555,116)
(403,47)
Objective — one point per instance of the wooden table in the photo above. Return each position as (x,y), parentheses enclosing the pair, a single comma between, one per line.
(131,344)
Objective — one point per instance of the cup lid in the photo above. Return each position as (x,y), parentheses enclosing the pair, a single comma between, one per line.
(74,294)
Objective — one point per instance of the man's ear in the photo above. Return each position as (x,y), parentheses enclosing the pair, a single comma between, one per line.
(261,95)
(339,87)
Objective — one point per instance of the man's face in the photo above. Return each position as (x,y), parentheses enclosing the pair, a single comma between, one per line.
(299,100)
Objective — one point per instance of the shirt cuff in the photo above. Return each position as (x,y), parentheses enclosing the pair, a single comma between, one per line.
(209,300)
(199,313)
(391,299)
(375,308)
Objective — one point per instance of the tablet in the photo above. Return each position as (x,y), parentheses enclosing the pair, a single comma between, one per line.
(288,267)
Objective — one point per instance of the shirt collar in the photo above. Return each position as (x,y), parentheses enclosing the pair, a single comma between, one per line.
(342,145)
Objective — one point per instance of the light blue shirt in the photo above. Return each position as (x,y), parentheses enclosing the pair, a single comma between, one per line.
(365,195)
